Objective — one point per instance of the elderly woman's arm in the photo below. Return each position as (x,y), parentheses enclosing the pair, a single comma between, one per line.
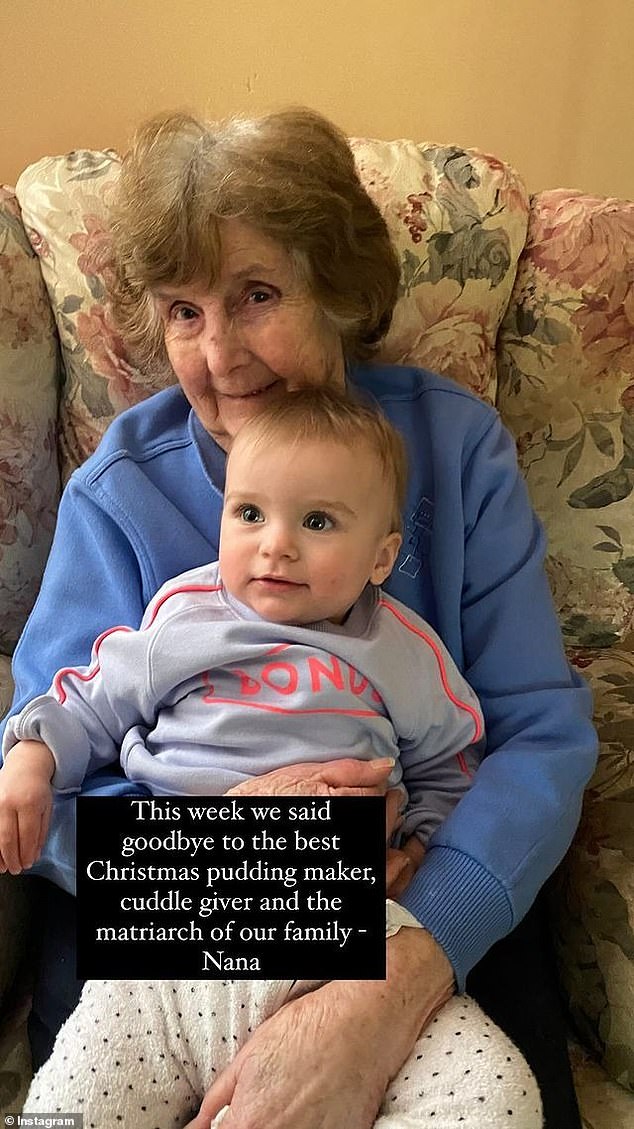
(323,1061)
(267,1083)
(487,861)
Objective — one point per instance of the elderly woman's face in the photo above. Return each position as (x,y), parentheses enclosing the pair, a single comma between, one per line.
(256,335)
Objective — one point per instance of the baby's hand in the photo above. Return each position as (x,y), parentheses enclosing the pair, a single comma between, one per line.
(26,799)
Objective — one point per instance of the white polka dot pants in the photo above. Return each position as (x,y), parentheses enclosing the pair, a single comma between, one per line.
(142,1054)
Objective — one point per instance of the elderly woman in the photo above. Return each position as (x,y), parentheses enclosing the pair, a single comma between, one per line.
(251,261)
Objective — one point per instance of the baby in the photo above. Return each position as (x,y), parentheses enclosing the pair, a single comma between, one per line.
(286,650)
(289,626)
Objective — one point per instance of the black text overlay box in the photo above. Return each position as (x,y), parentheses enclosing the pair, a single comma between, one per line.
(213,887)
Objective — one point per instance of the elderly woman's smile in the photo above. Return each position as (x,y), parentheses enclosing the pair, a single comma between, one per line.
(255,335)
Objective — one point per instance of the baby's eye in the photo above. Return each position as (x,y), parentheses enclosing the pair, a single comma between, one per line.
(318,521)
(250,514)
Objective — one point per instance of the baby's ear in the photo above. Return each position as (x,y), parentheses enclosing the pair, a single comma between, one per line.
(386,555)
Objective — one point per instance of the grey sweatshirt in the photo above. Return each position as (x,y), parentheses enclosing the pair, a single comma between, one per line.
(206,694)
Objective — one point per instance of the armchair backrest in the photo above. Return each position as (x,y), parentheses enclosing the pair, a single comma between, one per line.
(566,390)
(458,219)
(552,344)
(29,476)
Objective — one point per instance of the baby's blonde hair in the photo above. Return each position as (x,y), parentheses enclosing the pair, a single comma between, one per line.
(327,414)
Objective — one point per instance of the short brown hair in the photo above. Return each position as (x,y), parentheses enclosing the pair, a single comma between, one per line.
(327,414)
(291,175)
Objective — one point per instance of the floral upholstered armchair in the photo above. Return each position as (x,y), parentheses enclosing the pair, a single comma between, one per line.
(527,301)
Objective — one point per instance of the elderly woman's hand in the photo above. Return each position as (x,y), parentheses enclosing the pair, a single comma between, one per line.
(401,866)
(346,777)
(323,1061)
(401,862)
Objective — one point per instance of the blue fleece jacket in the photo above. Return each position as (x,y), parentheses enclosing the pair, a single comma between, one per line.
(147,506)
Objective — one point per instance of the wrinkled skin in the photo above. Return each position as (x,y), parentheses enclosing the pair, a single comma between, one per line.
(322,1061)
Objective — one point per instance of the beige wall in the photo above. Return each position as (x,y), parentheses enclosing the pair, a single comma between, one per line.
(548,84)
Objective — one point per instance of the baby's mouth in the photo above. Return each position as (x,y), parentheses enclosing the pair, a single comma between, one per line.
(281,581)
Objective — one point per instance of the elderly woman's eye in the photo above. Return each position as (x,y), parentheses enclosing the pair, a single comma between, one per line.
(250,514)
(183,313)
(259,295)
(318,521)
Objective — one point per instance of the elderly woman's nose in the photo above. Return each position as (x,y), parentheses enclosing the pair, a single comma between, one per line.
(222,343)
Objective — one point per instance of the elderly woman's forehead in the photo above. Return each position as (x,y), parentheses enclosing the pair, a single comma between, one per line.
(244,255)
(243,246)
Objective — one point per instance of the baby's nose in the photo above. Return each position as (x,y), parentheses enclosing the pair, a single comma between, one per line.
(278,541)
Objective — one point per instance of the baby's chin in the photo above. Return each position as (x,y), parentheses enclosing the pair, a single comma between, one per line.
(272,612)
(301,619)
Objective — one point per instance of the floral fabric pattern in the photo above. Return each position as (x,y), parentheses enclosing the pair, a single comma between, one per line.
(592,894)
(64,204)
(458,220)
(566,389)
(29,478)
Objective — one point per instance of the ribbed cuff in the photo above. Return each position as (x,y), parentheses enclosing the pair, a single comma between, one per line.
(461,904)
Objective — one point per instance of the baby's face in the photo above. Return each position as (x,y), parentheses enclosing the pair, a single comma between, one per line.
(304,529)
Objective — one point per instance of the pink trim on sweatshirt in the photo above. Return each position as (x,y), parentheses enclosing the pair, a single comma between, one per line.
(176,592)
(212,701)
(88,675)
(462,764)
(441,667)
(84,676)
